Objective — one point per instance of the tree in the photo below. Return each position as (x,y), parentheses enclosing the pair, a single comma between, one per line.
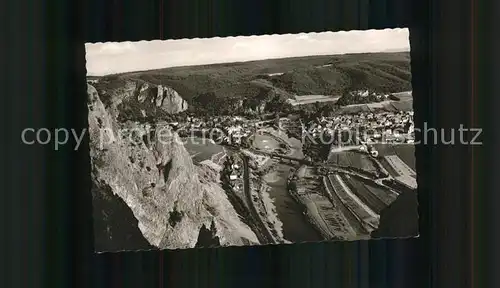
(275,105)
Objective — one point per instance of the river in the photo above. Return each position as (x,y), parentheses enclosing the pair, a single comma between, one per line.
(296,228)
(201,149)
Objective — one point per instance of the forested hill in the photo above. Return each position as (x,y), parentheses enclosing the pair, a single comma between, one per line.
(228,83)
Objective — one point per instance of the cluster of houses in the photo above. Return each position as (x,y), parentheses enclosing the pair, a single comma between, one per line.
(370,127)
(366,93)
(237,171)
(236,177)
(232,129)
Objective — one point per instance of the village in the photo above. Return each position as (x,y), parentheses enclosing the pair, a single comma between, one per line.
(370,127)
(253,162)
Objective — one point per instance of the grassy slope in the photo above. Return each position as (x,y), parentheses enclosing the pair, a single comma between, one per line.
(381,71)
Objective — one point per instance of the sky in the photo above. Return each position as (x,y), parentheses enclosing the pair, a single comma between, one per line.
(118,57)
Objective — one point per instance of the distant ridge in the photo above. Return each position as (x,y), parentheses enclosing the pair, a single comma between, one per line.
(254,80)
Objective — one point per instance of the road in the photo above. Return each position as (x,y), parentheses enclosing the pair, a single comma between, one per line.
(258,221)
(275,155)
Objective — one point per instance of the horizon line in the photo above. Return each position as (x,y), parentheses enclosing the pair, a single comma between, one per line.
(249,61)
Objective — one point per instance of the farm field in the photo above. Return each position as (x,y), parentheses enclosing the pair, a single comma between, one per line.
(389,167)
(385,196)
(406,105)
(364,194)
(353,159)
(404,151)
(351,222)
(384,149)
(407,153)
(399,165)
(352,204)
(309,99)
(389,106)
(404,95)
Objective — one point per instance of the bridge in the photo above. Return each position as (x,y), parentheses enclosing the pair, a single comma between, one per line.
(299,160)
(279,156)
(337,149)
(334,168)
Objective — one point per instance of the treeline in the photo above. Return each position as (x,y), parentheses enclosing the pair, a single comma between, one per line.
(352,98)
(209,104)
(318,148)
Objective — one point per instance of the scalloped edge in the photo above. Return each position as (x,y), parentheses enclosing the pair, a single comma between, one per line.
(402,29)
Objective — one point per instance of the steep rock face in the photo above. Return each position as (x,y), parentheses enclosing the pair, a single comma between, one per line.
(154,175)
(169,100)
(134,99)
(115,227)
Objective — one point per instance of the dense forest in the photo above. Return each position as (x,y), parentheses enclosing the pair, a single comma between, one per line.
(258,87)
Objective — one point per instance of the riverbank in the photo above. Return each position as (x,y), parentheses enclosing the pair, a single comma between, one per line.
(281,206)
(296,227)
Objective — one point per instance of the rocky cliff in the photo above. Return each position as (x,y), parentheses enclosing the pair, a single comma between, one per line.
(153,174)
(129,99)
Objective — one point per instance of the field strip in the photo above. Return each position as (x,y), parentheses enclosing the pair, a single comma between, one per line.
(355,198)
(387,198)
(365,194)
(344,224)
(401,167)
(355,213)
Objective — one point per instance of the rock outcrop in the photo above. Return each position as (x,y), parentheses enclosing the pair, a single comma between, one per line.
(171,197)
(115,226)
(135,99)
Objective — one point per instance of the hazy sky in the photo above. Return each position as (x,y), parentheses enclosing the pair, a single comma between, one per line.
(118,57)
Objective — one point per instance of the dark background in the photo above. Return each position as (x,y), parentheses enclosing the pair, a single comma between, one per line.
(46,221)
